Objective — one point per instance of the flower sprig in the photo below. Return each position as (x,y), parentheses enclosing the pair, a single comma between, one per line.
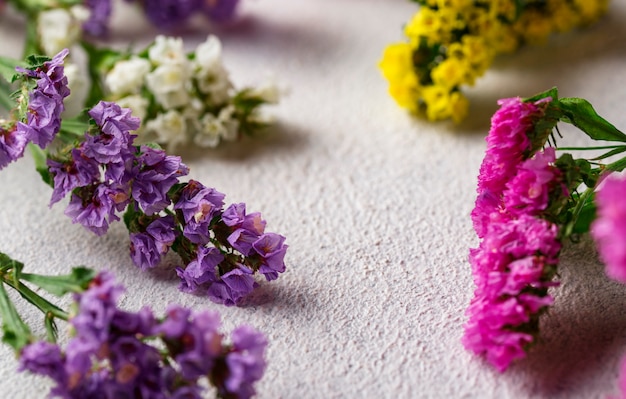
(116,353)
(452,43)
(181,98)
(96,162)
(529,203)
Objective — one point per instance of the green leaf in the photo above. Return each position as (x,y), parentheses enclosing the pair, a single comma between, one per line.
(580,113)
(16,332)
(7,263)
(614,151)
(586,216)
(76,281)
(40,156)
(74,126)
(553,93)
(7,68)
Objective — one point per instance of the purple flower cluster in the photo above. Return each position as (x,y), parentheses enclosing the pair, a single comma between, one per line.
(225,274)
(170,13)
(99,15)
(609,229)
(106,173)
(518,254)
(113,352)
(43,114)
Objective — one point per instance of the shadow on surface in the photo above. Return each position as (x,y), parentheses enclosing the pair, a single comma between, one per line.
(583,333)
(276,139)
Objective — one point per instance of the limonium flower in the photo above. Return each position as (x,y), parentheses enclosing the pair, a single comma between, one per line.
(115,353)
(449,44)
(167,14)
(511,139)
(38,117)
(609,229)
(106,174)
(513,268)
(185,98)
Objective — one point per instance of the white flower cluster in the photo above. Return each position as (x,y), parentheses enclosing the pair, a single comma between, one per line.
(180,98)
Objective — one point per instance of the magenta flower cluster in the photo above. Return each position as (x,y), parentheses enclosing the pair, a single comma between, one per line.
(106,174)
(609,228)
(119,354)
(517,257)
(43,114)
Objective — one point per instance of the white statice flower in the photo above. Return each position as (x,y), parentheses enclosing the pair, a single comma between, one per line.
(59,28)
(168,128)
(169,84)
(208,55)
(268,92)
(211,131)
(127,76)
(167,50)
(231,124)
(138,105)
(78,83)
(209,71)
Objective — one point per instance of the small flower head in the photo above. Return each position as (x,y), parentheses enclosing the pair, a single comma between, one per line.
(609,229)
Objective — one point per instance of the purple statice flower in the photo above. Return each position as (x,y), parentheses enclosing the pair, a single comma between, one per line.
(12,144)
(529,191)
(147,248)
(99,15)
(509,142)
(198,205)
(158,172)
(45,105)
(114,139)
(78,171)
(112,355)
(239,282)
(246,228)
(220,10)
(513,268)
(201,271)
(246,363)
(195,339)
(43,358)
(144,251)
(272,249)
(94,206)
(609,228)
(169,13)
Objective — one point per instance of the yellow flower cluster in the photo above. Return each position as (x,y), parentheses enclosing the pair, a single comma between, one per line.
(453,42)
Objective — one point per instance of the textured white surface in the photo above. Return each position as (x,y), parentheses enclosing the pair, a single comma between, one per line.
(375,208)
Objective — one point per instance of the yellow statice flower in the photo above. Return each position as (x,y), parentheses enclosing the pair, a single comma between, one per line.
(591,10)
(450,73)
(397,62)
(533,27)
(397,67)
(451,43)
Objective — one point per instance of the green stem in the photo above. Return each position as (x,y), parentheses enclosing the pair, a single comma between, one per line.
(6,102)
(582,200)
(31,296)
(606,147)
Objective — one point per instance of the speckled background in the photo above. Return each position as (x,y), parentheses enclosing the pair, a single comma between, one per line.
(375,208)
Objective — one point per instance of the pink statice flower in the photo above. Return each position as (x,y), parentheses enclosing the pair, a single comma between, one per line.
(509,141)
(513,268)
(609,228)
(529,191)
(622,381)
